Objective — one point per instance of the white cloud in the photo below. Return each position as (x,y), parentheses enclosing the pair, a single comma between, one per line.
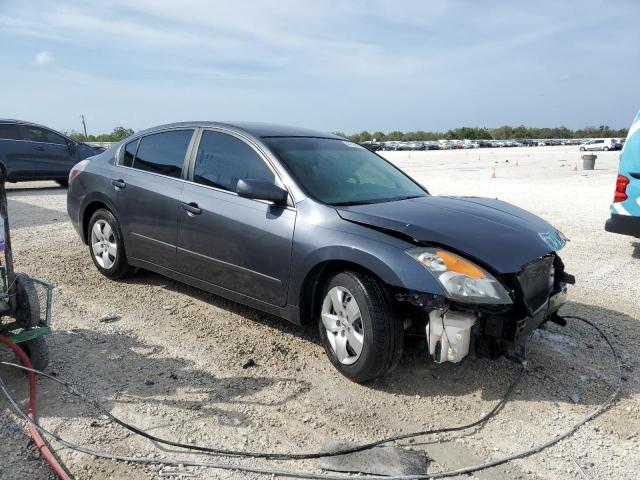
(42,58)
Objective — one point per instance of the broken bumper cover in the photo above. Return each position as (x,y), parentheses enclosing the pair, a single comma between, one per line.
(452,334)
(542,314)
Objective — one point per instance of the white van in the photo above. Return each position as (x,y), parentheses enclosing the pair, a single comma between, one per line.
(605,144)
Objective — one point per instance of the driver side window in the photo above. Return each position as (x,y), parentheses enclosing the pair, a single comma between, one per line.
(223,159)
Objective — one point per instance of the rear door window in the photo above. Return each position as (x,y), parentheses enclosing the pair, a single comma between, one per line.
(223,159)
(163,152)
(9,131)
(42,135)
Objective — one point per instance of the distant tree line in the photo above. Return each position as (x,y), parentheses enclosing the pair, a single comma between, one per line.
(119,133)
(505,132)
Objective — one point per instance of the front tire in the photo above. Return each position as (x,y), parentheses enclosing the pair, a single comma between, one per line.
(106,246)
(360,334)
(582,149)
(606,149)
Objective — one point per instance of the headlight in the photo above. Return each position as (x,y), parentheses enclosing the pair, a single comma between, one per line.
(462,280)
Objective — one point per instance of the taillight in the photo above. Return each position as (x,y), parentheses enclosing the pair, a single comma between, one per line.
(77,168)
(621,189)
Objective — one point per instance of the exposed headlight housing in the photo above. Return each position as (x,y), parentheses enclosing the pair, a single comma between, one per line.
(463,280)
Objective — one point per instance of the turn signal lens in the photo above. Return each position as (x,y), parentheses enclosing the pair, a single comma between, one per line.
(461,279)
(458,264)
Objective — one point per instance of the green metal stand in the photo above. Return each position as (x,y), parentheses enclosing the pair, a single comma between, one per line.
(20,335)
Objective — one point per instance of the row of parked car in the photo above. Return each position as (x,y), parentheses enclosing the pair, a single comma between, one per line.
(585,144)
(34,152)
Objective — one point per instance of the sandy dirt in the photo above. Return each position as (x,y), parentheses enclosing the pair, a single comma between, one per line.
(172,362)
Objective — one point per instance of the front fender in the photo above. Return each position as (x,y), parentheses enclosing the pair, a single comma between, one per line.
(375,251)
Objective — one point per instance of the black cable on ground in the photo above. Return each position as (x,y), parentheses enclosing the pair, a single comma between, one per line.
(286,456)
(286,473)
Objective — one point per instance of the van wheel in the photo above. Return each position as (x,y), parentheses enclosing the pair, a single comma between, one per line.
(582,149)
(106,246)
(606,149)
(360,334)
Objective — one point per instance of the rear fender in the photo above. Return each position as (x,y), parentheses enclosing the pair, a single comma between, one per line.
(90,204)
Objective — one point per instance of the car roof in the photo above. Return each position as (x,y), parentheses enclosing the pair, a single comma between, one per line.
(22,122)
(256,129)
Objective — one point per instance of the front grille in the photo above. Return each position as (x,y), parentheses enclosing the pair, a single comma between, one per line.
(536,283)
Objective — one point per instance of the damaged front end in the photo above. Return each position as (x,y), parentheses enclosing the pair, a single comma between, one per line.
(492,325)
(497,271)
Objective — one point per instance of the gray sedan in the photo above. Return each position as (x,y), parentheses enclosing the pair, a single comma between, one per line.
(314,228)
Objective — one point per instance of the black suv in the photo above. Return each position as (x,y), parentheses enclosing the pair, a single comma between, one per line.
(33,152)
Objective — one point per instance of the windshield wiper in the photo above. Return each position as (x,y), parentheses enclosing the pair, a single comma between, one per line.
(408,197)
(354,202)
(377,200)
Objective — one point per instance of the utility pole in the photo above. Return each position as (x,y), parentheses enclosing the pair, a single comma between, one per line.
(84,125)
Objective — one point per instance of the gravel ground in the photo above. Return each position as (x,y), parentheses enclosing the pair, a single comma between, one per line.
(172,361)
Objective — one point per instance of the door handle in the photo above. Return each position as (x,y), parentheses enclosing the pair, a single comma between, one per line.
(192,209)
(40,149)
(118,184)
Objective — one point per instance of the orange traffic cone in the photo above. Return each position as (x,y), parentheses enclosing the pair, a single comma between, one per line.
(493,173)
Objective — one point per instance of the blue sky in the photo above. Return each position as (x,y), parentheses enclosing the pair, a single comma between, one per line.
(347,65)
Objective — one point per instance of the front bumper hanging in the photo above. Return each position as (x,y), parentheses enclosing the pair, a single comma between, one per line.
(540,289)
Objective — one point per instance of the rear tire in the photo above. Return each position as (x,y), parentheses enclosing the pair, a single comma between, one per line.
(106,246)
(379,331)
(582,149)
(27,312)
(606,149)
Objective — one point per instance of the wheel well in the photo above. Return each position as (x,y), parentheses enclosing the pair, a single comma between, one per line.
(87,214)
(311,291)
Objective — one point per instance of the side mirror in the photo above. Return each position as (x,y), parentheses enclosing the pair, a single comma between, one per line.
(71,146)
(261,190)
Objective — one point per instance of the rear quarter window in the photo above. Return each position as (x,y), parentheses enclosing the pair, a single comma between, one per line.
(129,153)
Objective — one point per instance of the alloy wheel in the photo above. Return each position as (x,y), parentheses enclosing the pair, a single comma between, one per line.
(342,321)
(103,244)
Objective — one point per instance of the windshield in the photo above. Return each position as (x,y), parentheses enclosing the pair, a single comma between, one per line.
(338,172)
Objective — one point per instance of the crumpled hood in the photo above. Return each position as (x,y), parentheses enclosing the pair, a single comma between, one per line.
(498,234)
